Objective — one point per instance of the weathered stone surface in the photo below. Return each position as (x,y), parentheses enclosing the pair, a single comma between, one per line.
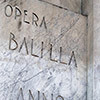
(96,51)
(90,52)
(20,69)
(72,5)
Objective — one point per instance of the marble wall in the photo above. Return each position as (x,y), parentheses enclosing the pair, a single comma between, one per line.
(73,5)
(93,50)
(43,51)
(96,51)
(90,52)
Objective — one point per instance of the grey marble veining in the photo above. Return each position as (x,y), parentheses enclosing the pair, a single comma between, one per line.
(20,71)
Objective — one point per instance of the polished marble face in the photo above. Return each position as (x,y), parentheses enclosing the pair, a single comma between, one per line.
(42,52)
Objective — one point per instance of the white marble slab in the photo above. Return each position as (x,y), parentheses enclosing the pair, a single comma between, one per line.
(21,71)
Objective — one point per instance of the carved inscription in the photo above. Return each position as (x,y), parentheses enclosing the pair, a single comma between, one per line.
(43,96)
(9,11)
(43,51)
(13,40)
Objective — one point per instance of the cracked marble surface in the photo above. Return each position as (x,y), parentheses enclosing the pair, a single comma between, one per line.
(71,5)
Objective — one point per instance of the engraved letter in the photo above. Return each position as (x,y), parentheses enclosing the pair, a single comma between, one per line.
(51,96)
(35,19)
(20,96)
(44,97)
(30,95)
(42,50)
(61,56)
(51,54)
(12,38)
(32,49)
(24,42)
(17,12)
(9,9)
(43,22)
(59,96)
(25,14)
(38,95)
(73,57)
